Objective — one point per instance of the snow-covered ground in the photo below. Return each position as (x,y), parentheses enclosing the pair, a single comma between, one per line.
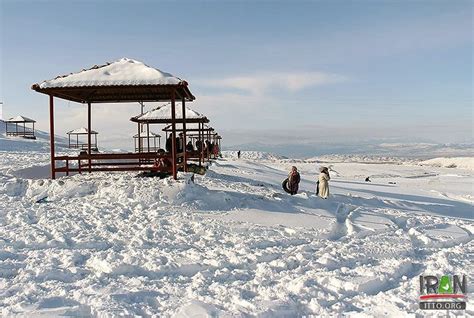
(232,243)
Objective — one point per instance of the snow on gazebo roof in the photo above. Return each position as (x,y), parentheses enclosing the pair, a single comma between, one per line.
(20,119)
(121,72)
(122,81)
(164,113)
(81,131)
(144,134)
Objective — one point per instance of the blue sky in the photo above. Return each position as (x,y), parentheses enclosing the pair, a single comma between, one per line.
(299,71)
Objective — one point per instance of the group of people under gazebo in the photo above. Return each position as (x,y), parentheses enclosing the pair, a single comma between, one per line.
(193,139)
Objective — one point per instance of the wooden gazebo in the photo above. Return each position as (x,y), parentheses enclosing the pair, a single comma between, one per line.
(123,81)
(196,133)
(78,143)
(147,142)
(211,136)
(20,129)
(183,116)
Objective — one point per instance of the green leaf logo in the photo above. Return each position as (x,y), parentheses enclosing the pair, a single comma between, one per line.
(445,285)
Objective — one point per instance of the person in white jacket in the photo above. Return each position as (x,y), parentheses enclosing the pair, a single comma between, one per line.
(323,188)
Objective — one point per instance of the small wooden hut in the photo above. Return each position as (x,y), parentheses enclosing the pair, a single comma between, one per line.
(163,115)
(147,142)
(76,137)
(17,127)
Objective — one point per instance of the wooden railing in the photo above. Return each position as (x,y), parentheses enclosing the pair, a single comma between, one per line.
(83,146)
(111,162)
(25,134)
(140,161)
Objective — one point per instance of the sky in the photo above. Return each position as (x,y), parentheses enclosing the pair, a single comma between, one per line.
(266,72)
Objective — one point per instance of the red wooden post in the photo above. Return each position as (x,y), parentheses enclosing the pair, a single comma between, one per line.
(148,135)
(51,135)
(200,140)
(173,134)
(139,139)
(183,104)
(89,124)
(208,150)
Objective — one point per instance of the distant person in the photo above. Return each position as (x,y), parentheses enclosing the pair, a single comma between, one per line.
(207,148)
(199,145)
(323,183)
(169,143)
(179,143)
(162,163)
(293,181)
(238,154)
(189,147)
(367,179)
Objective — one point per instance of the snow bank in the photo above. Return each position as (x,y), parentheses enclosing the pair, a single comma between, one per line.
(230,244)
(456,162)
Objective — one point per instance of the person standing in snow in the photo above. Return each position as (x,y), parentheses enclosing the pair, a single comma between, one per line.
(238,154)
(323,188)
(189,147)
(293,181)
(169,141)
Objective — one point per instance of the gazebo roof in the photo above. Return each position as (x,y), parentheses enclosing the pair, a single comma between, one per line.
(81,131)
(162,115)
(125,80)
(20,119)
(190,128)
(144,134)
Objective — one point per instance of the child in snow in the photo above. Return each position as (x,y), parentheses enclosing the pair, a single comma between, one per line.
(323,188)
(293,181)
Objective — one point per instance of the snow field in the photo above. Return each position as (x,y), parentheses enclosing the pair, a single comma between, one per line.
(230,244)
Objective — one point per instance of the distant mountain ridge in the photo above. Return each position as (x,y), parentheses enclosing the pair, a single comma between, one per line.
(414,150)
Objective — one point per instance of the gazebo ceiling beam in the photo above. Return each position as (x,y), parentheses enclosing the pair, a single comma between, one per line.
(112,94)
(167,121)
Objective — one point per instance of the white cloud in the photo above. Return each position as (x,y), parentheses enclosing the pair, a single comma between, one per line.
(259,83)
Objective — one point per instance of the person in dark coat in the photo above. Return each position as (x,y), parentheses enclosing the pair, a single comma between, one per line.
(169,144)
(179,144)
(189,147)
(293,181)
(199,145)
(238,154)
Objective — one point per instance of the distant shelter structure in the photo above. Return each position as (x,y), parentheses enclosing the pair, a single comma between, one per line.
(17,127)
(214,139)
(183,116)
(79,143)
(123,81)
(198,135)
(147,142)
